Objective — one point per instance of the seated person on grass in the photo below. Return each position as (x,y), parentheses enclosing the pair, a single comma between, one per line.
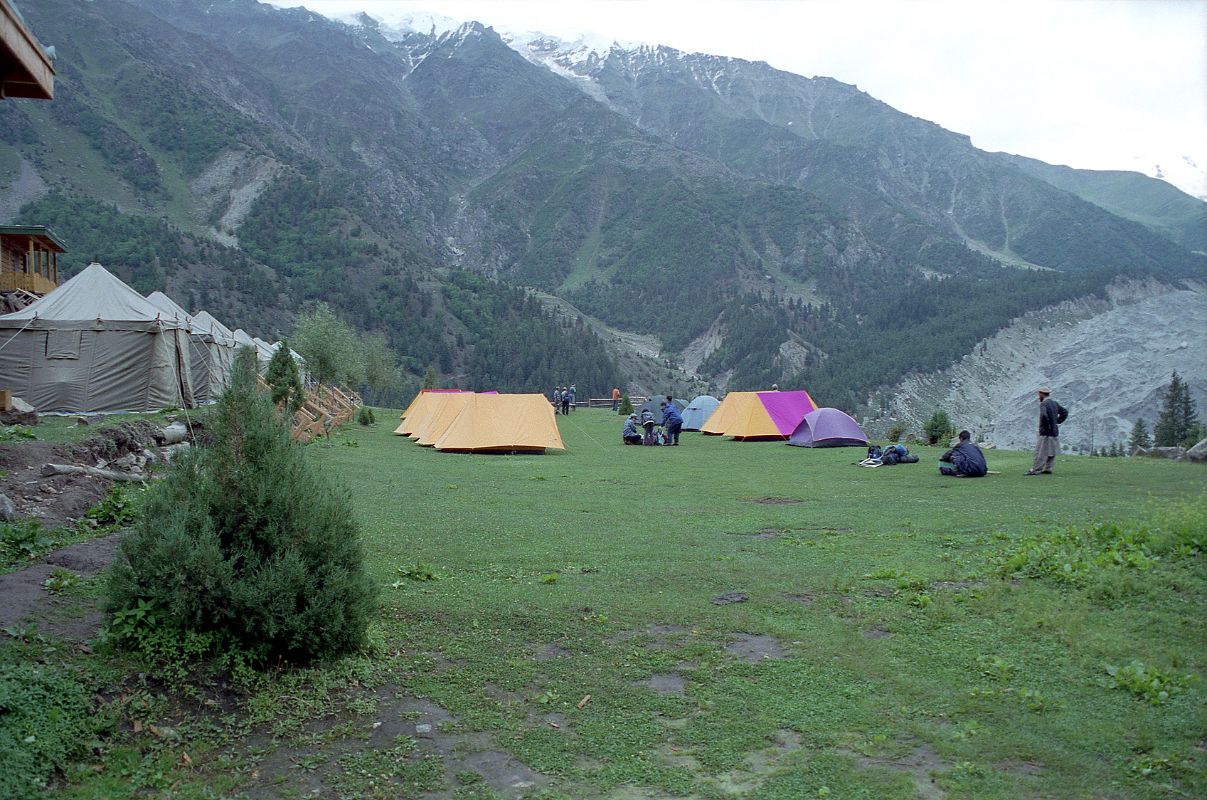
(630,434)
(965,460)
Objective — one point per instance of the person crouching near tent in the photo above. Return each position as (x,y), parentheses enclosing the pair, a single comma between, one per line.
(965,460)
(629,434)
(671,421)
(647,423)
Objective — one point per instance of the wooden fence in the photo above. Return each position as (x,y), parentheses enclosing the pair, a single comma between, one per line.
(325,408)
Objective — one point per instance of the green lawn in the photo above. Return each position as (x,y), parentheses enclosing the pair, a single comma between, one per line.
(878,653)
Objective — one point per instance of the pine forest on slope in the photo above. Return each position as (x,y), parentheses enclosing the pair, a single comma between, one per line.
(785,229)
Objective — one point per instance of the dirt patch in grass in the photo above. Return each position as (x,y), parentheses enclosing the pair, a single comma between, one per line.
(774,501)
(403,746)
(755,648)
(919,762)
(804,598)
(659,637)
(26,601)
(1020,767)
(877,633)
(549,652)
(670,683)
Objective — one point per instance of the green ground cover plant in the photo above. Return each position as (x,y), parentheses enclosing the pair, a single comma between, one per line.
(576,618)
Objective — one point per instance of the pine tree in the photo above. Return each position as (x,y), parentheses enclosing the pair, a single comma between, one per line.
(1140,438)
(429,378)
(1178,420)
(246,543)
(938,428)
(284,380)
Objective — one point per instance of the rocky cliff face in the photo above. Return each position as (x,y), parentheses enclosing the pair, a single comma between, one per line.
(1106,359)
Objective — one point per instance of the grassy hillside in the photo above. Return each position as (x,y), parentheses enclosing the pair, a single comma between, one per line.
(549,629)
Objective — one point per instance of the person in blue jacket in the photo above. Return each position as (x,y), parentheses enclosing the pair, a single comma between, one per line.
(672,423)
(965,460)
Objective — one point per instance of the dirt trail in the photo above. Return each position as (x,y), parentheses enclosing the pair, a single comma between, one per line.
(27,602)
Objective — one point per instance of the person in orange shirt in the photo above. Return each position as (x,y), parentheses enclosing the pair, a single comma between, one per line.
(615,399)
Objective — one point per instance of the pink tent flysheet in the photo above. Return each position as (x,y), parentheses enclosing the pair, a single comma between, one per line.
(787,409)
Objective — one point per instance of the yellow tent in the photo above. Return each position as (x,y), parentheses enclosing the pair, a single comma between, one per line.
(430,429)
(421,393)
(421,410)
(726,415)
(759,415)
(503,423)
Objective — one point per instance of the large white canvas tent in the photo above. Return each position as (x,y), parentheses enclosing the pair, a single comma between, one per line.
(219,331)
(244,339)
(210,357)
(95,344)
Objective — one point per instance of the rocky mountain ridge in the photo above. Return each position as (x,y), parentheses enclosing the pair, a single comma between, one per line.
(1108,360)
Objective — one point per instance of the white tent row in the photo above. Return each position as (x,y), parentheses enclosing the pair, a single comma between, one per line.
(96,345)
(210,355)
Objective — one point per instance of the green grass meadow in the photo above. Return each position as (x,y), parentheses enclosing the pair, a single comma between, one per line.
(881,651)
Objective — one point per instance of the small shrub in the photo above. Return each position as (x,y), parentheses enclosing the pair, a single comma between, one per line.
(626,405)
(365,416)
(246,544)
(60,581)
(13,433)
(1147,683)
(116,510)
(418,572)
(938,428)
(895,432)
(22,541)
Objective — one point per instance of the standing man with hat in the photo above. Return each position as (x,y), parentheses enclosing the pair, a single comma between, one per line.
(1051,415)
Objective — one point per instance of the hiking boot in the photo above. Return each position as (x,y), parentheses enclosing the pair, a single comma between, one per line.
(1030,472)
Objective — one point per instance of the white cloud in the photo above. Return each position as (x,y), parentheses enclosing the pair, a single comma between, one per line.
(1095,84)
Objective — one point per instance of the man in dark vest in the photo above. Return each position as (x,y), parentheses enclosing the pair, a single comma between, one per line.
(1051,414)
(965,460)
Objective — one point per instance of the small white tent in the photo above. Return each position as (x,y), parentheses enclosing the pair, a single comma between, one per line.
(95,344)
(210,358)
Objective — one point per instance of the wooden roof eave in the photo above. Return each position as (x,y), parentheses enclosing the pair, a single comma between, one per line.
(25,67)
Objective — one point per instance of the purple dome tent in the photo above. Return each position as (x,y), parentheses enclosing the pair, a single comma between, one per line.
(828,427)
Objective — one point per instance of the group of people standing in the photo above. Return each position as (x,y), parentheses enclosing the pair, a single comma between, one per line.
(564,398)
(672,424)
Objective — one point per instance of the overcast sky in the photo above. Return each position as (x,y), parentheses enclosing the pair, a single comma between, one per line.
(1096,84)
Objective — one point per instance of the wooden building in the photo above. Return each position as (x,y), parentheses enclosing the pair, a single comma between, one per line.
(29,258)
(26,68)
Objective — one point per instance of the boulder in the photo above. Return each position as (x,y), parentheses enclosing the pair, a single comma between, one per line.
(175,433)
(1198,452)
(8,511)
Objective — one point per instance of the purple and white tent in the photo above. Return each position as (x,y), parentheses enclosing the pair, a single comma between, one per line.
(828,427)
